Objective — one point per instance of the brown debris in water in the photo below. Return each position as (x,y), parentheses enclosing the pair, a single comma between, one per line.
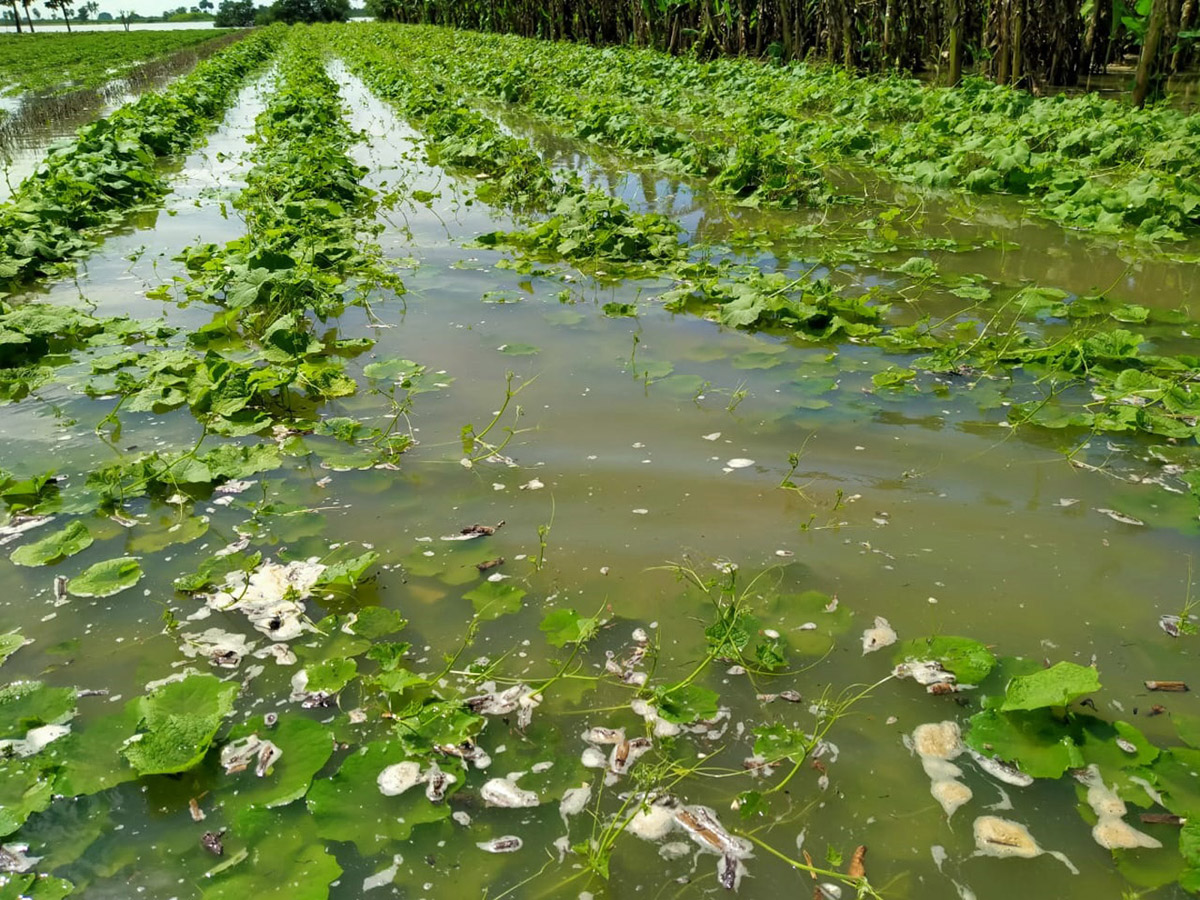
(1177,687)
(858,866)
(489,564)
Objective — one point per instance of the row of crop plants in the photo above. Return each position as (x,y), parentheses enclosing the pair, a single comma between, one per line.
(1099,375)
(114,164)
(255,380)
(1085,162)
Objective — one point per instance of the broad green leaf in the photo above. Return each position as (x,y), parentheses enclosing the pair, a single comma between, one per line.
(306,745)
(392,369)
(25,788)
(168,531)
(1057,686)
(71,540)
(493,599)
(329,676)
(90,756)
(799,611)
(690,703)
(1036,742)
(375,622)
(275,854)
(349,806)
(778,741)
(566,626)
(104,579)
(1100,745)
(519,349)
(31,704)
(178,722)
(348,572)
(10,643)
(968,660)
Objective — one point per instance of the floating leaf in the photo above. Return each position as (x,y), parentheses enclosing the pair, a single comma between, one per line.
(306,746)
(106,578)
(171,530)
(394,369)
(349,572)
(967,659)
(348,807)
(283,858)
(179,721)
(566,626)
(1057,686)
(519,349)
(1036,742)
(10,643)
(493,599)
(31,704)
(71,540)
(690,703)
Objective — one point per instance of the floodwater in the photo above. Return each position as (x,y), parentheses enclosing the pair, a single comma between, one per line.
(923,507)
(36,121)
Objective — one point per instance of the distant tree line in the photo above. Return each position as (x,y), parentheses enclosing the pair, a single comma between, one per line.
(1028,43)
(243,13)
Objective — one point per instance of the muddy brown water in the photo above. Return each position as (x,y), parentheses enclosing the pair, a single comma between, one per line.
(924,508)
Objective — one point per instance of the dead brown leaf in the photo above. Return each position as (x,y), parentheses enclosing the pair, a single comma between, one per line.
(858,867)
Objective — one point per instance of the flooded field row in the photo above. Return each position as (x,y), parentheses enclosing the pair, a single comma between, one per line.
(415,498)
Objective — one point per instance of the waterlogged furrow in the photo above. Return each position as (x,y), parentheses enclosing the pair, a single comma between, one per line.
(1095,376)
(112,166)
(584,224)
(1085,162)
(305,210)
(754,167)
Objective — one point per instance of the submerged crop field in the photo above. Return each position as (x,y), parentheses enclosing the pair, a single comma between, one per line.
(439,464)
(53,63)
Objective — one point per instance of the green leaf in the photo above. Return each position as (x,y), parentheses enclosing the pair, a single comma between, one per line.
(25,788)
(1039,744)
(10,643)
(519,349)
(72,539)
(171,530)
(690,703)
(284,859)
(330,676)
(1057,686)
(566,626)
(778,741)
(90,756)
(347,572)
(106,578)
(179,721)
(375,622)
(966,659)
(31,704)
(349,806)
(1099,745)
(493,599)
(306,746)
(398,370)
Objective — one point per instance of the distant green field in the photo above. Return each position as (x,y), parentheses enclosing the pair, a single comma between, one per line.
(60,62)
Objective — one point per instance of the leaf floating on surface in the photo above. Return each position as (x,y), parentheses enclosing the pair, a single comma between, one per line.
(71,540)
(104,579)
